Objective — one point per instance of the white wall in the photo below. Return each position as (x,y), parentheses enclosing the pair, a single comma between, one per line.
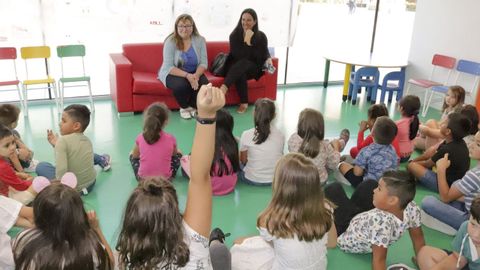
(449,27)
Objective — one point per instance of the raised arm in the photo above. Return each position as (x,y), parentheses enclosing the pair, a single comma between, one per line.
(198,213)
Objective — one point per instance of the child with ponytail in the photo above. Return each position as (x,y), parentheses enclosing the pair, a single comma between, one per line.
(155,152)
(309,140)
(262,146)
(409,108)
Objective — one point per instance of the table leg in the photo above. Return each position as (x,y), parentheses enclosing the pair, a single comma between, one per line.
(327,71)
(346,81)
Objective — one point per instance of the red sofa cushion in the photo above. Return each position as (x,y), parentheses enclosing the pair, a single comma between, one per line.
(146,83)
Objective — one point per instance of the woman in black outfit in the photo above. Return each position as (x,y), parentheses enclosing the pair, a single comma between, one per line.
(248,54)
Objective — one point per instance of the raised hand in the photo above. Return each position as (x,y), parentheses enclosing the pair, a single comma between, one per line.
(209,101)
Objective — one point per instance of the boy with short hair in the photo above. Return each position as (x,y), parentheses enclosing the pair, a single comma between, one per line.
(373,231)
(376,158)
(454,128)
(23,157)
(73,150)
(453,207)
(465,247)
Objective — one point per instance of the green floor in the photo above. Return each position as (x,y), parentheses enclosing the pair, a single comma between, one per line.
(235,213)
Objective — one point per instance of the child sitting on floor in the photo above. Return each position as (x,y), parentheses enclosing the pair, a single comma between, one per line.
(15,185)
(154,234)
(11,213)
(430,133)
(65,236)
(22,159)
(465,247)
(453,129)
(375,111)
(225,163)
(409,107)
(309,140)
(262,146)
(453,206)
(373,231)
(73,150)
(297,226)
(375,159)
(155,152)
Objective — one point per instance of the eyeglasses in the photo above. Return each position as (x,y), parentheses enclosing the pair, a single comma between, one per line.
(184,26)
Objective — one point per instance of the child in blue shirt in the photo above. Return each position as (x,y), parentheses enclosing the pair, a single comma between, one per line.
(375,159)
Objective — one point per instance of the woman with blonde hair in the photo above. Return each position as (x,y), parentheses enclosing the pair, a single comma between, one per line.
(184,62)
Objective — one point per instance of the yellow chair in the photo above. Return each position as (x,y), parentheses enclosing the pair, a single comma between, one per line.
(37,52)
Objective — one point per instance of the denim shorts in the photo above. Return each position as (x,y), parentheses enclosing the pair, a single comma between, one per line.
(429,180)
(242,178)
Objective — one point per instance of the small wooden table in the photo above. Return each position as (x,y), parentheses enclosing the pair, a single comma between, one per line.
(352,59)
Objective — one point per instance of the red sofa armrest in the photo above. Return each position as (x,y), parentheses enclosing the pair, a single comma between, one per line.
(271,81)
(121,82)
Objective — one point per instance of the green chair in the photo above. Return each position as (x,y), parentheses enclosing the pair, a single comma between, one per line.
(73,51)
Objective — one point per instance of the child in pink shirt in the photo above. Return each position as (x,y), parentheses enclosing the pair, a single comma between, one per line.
(409,107)
(155,152)
(225,163)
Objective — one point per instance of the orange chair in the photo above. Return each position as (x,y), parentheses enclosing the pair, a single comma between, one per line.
(38,52)
(9,54)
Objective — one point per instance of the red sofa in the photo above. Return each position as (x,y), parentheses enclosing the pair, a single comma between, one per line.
(134,84)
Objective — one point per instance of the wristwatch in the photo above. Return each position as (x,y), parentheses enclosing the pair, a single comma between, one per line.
(206,121)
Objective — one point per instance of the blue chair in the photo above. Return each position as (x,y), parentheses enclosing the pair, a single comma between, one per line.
(364,77)
(465,68)
(392,82)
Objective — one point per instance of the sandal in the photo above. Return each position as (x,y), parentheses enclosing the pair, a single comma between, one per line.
(242,108)
(345,135)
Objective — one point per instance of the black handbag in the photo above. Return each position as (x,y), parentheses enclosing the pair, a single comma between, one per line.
(217,67)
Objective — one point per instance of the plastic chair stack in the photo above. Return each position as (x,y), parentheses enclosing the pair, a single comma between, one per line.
(438,61)
(466,69)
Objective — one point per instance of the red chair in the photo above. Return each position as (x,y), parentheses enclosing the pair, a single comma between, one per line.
(9,54)
(438,61)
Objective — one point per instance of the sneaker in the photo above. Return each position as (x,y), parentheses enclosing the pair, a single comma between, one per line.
(192,111)
(436,224)
(345,136)
(32,167)
(399,266)
(217,234)
(107,162)
(185,113)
